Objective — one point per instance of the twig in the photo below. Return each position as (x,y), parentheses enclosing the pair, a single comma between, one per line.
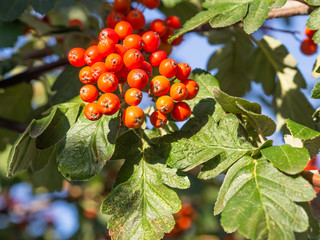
(32,73)
(13,125)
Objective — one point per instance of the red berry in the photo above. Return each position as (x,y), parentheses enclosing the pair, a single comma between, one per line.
(181,111)
(89,93)
(308,46)
(173,21)
(120,49)
(110,33)
(164,104)
(151,4)
(133,96)
(192,87)
(92,55)
(151,41)
(157,57)
(136,19)
(183,71)
(123,29)
(177,41)
(158,119)
(133,117)
(114,62)
(137,78)
(113,18)
(168,68)
(109,103)
(76,22)
(159,26)
(97,69)
(309,32)
(108,82)
(76,57)
(178,92)
(92,111)
(122,75)
(85,76)
(122,5)
(133,59)
(133,41)
(106,46)
(159,85)
(147,68)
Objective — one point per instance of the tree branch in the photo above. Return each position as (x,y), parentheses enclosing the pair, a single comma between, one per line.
(13,125)
(32,73)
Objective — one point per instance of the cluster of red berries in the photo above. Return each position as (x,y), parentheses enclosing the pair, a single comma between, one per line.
(119,59)
(308,46)
(164,28)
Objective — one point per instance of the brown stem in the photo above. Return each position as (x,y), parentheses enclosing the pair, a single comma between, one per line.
(313,177)
(32,73)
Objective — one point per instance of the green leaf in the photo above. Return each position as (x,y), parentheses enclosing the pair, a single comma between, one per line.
(289,101)
(316,68)
(190,150)
(230,16)
(309,138)
(203,104)
(230,61)
(197,20)
(66,86)
(141,204)
(7,65)
(262,123)
(302,132)
(10,31)
(184,10)
(257,14)
(10,10)
(38,126)
(65,116)
(278,3)
(288,159)
(87,146)
(25,153)
(19,97)
(314,23)
(313,2)
(316,91)
(171,3)
(42,6)
(231,104)
(255,191)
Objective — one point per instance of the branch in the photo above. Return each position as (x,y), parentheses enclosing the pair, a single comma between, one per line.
(32,73)
(312,176)
(291,8)
(13,125)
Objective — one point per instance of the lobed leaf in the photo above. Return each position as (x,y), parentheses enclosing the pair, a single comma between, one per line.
(316,91)
(87,146)
(257,13)
(141,204)
(212,140)
(254,190)
(314,21)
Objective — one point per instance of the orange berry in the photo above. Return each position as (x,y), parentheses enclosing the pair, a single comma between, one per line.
(133,96)
(178,92)
(168,68)
(164,104)
(136,19)
(308,46)
(89,93)
(192,87)
(92,111)
(109,103)
(133,117)
(114,62)
(158,119)
(159,85)
(181,111)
